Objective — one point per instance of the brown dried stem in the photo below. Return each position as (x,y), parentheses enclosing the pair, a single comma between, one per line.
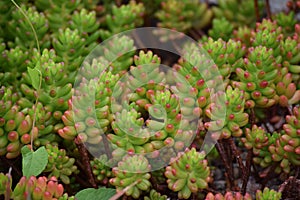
(247,171)
(85,161)
(256,10)
(236,154)
(224,158)
(269,13)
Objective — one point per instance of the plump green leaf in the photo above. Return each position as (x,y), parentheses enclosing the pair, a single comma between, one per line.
(34,163)
(91,193)
(35,77)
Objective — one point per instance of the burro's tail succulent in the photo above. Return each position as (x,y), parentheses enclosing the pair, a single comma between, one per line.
(132,171)
(188,173)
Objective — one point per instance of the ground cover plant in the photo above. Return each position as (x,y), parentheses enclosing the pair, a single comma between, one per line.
(218,120)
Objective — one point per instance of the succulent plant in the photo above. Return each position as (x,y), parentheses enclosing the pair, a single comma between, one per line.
(291,59)
(56,93)
(155,196)
(269,35)
(13,63)
(221,29)
(243,34)
(4,182)
(257,78)
(100,170)
(286,88)
(149,96)
(183,15)
(226,55)
(55,90)
(188,173)
(262,156)
(86,23)
(287,21)
(286,148)
(268,194)
(15,126)
(132,171)
(59,164)
(228,196)
(65,196)
(200,75)
(123,18)
(119,64)
(21,31)
(258,140)
(38,188)
(81,120)
(70,48)
(57,12)
(236,12)
(232,104)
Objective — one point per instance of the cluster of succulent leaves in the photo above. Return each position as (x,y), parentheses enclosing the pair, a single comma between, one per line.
(255,69)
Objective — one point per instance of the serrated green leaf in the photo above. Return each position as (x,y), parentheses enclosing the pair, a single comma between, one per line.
(35,77)
(33,163)
(91,193)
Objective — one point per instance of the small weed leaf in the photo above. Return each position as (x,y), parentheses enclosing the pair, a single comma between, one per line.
(91,193)
(35,77)
(34,162)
